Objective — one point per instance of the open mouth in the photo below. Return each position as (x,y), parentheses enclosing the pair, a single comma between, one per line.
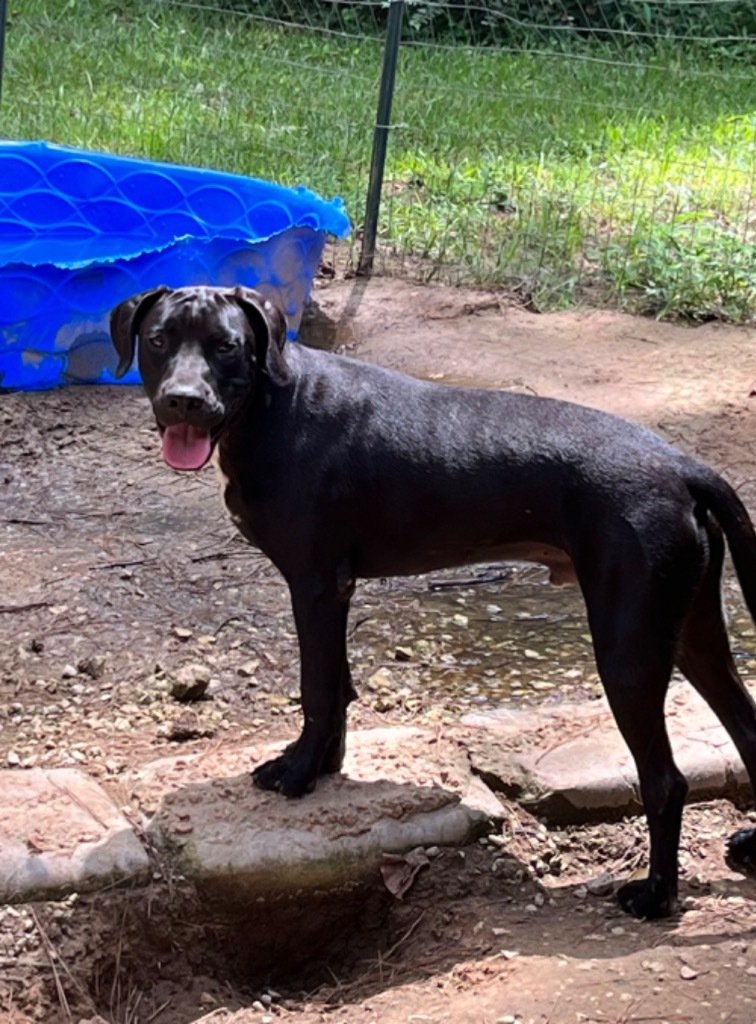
(186,447)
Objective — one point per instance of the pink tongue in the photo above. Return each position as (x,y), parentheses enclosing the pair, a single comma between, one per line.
(186,447)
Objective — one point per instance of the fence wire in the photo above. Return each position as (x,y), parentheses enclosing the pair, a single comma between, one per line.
(601,150)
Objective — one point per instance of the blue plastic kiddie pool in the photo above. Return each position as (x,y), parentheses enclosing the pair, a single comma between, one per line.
(81,231)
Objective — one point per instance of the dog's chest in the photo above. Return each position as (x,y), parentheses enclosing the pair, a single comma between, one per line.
(232,500)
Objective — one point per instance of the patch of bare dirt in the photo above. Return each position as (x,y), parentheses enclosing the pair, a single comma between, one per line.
(121,582)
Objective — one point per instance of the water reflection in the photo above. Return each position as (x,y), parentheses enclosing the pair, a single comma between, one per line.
(486,635)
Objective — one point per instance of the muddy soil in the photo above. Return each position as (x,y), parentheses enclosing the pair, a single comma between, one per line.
(120,578)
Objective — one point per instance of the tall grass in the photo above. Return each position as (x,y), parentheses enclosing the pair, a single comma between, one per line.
(623,175)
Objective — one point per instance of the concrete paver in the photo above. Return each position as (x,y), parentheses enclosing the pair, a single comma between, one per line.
(401,788)
(60,833)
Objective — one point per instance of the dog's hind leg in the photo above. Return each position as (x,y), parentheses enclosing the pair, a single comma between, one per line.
(703,655)
(633,635)
(320,613)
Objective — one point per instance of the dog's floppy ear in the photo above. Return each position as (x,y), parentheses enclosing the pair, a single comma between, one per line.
(124,325)
(269,328)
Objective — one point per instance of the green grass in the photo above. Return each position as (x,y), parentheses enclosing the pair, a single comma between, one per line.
(628,177)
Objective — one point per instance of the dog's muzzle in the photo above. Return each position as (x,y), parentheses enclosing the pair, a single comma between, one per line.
(187,417)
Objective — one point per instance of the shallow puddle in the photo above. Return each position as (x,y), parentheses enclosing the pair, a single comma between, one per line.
(487,635)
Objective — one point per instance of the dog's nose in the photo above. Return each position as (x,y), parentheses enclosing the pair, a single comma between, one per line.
(182,404)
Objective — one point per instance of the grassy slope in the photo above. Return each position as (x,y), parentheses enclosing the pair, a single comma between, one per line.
(635,172)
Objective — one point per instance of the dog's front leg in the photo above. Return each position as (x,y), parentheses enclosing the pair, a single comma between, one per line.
(320,613)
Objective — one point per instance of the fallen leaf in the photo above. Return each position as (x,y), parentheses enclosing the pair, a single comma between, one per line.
(399,871)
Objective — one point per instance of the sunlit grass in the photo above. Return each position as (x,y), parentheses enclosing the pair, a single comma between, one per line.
(631,174)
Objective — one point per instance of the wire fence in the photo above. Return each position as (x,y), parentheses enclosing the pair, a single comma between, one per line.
(592,150)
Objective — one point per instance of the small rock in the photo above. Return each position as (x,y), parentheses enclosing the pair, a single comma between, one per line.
(94,666)
(248,669)
(688,973)
(381,679)
(602,885)
(403,654)
(181,632)
(190,683)
(69,672)
(507,867)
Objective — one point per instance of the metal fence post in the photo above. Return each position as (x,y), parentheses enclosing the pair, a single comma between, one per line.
(3,12)
(380,138)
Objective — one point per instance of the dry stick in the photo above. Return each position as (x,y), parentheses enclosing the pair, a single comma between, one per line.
(79,803)
(115,988)
(132,1006)
(469,581)
(8,609)
(341,988)
(26,522)
(47,945)
(159,1010)
(584,731)
(121,565)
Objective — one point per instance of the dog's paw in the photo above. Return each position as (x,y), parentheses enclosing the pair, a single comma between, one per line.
(646,899)
(283,775)
(741,848)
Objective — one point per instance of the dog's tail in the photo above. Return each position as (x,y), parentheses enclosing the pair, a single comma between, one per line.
(715,494)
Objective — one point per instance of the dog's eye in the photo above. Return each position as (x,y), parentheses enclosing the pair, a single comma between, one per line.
(225,347)
(156,341)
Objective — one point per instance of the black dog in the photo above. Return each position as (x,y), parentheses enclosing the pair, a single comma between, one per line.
(339,470)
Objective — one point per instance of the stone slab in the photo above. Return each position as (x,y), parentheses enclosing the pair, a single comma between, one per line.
(569,763)
(60,833)
(401,788)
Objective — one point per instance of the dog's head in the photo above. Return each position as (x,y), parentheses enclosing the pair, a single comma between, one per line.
(203,353)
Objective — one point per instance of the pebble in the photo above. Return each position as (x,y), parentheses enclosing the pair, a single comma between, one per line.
(190,682)
(94,666)
(602,885)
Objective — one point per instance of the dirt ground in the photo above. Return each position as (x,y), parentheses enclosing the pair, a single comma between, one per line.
(121,579)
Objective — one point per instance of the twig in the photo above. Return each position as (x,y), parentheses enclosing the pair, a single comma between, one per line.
(340,989)
(47,945)
(469,581)
(79,803)
(26,522)
(121,565)
(9,609)
(219,556)
(159,1010)
(115,988)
